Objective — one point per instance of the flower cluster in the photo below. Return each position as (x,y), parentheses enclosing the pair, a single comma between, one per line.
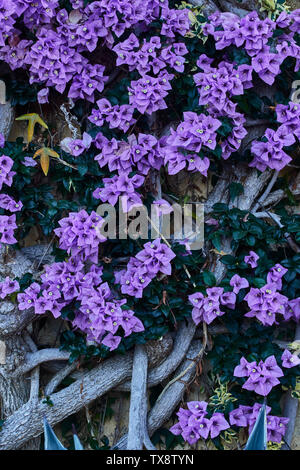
(207,308)
(193,425)
(6,175)
(292,310)
(174,21)
(97,314)
(15,56)
(192,135)
(9,204)
(250,31)
(142,153)
(262,377)
(79,234)
(254,34)
(52,62)
(147,93)
(7,227)
(85,84)
(7,222)
(269,152)
(122,186)
(216,87)
(153,259)
(150,57)
(265,303)
(100,314)
(246,416)
(117,117)
(8,286)
(54,58)
(289,116)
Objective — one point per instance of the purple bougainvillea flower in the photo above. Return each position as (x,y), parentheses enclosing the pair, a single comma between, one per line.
(197,407)
(289,360)
(193,424)
(9,204)
(252,259)
(43,96)
(8,286)
(262,377)
(228,299)
(243,369)
(238,283)
(270,368)
(217,424)
(111,341)
(29,161)
(237,417)
(246,416)
(275,274)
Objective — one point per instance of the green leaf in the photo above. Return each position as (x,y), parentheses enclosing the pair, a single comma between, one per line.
(51,441)
(258,437)
(216,240)
(238,234)
(209,278)
(251,240)
(235,189)
(228,260)
(258,282)
(278,32)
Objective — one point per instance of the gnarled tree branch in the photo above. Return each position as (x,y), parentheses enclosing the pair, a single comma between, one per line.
(43,355)
(137,427)
(164,407)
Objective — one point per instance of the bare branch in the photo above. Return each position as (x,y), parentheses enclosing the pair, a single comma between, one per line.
(43,355)
(181,344)
(58,378)
(267,191)
(197,358)
(164,407)
(6,119)
(137,427)
(35,384)
(27,421)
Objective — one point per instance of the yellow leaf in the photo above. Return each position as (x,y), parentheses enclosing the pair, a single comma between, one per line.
(32,119)
(45,153)
(221,253)
(45,163)
(52,153)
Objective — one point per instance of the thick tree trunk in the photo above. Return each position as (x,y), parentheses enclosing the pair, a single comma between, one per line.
(14,391)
